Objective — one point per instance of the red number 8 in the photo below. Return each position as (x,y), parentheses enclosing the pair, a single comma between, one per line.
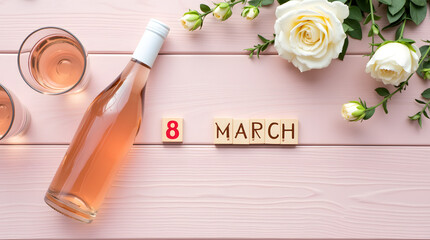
(173,128)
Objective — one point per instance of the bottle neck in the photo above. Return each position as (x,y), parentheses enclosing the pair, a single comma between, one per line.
(148,48)
(135,75)
(139,62)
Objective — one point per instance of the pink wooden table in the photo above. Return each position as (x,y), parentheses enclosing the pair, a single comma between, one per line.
(343,180)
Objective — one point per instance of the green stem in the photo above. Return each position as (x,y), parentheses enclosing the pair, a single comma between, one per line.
(402,29)
(371,12)
(402,85)
(206,13)
(236,2)
(231,5)
(258,48)
(373,23)
(425,107)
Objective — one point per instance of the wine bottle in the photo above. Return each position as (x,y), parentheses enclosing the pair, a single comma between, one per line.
(105,135)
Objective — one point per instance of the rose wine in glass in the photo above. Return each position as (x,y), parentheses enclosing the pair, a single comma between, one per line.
(57,62)
(105,135)
(52,61)
(14,118)
(6,112)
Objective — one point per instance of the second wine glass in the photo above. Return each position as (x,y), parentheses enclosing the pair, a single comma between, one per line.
(53,61)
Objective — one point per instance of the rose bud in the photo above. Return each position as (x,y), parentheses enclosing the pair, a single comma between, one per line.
(223,11)
(353,111)
(250,12)
(191,20)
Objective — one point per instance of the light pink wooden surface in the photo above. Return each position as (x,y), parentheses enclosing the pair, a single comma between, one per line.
(224,192)
(196,190)
(116,26)
(244,89)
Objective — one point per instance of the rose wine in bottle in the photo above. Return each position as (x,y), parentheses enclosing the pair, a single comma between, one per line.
(105,135)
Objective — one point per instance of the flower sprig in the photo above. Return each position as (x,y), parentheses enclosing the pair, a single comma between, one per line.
(424,68)
(258,48)
(418,116)
(385,93)
(193,19)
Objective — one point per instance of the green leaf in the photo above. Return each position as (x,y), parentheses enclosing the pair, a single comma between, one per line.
(418,13)
(419,101)
(371,33)
(394,17)
(204,8)
(384,105)
(383,92)
(346,28)
(355,13)
(415,117)
(363,5)
(368,19)
(396,6)
(420,122)
(369,114)
(282,1)
(423,49)
(425,64)
(387,2)
(425,114)
(393,24)
(420,3)
(426,93)
(264,47)
(356,28)
(266,2)
(255,3)
(345,46)
(263,39)
(406,40)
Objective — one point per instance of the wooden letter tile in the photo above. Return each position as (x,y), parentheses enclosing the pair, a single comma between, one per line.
(223,131)
(256,131)
(171,130)
(240,131)
(273,135)
(289,131)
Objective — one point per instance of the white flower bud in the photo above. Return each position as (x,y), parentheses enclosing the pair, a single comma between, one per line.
(250,12)
(353,111)
(191,20)
(223,11)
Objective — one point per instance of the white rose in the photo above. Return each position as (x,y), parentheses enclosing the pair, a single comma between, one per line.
(353,111)
(309,33)
(393,62)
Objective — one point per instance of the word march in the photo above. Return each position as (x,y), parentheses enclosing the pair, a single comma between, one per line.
(239,131)
(255,131)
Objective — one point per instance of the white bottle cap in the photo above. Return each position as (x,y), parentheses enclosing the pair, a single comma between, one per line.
(151,42)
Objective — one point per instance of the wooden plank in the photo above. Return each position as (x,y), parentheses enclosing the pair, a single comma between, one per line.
(231,192)
(245,91)
(116,26)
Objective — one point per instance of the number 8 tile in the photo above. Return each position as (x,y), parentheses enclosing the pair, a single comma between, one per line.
(171,130)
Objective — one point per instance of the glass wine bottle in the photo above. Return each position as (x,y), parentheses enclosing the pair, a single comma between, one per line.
(105,135)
